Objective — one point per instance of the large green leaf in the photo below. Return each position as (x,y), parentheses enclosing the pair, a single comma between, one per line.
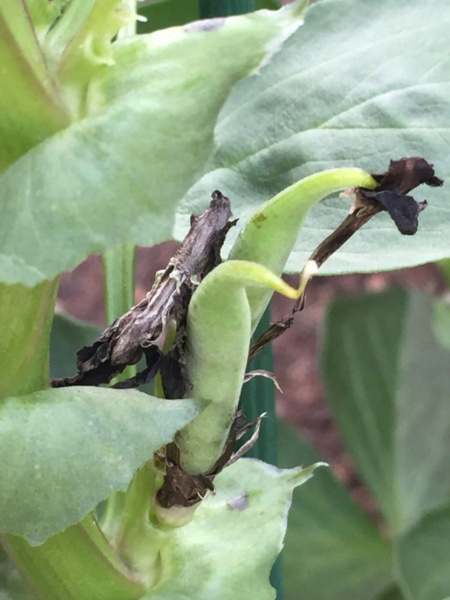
(360,83)
(388,384)
(65,450)
(117,175)
(333,551)
(234,537)
(423,558)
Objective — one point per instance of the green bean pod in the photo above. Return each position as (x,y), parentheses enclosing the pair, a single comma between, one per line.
(219,333)
(229,302)
(270,235)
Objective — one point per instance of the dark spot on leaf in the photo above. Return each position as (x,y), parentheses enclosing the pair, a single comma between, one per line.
(259,219)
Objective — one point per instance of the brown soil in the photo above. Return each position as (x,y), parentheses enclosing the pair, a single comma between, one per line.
(303,401)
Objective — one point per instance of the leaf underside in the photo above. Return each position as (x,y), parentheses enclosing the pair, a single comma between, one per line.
(374,88)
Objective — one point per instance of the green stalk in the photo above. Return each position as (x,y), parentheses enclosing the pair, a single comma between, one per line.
(119,269)
(258,396)
(26,316)
(224,8)
(78,562)
(75,564)
(119,279)
(444,266)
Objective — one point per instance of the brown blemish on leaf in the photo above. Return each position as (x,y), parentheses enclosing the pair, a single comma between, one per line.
(258,220)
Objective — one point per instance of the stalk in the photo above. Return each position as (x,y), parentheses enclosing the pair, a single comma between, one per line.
(24,343)
(224,8)
(77,563)
(119,280)
(119,271)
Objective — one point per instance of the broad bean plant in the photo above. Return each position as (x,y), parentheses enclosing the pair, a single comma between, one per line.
(112,140)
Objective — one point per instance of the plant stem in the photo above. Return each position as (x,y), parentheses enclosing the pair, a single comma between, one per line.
(119,278)
(78,562)
(25,341)
(444,266)
(74,564)
(257,397)
(119,265)
(224,8)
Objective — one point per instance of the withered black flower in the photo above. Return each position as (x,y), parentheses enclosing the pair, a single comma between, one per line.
(391,194)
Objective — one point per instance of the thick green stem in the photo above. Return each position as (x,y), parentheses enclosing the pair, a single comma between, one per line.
(75,564)
(119,267)
(444,266)
(78,562)
(139,540)
(224,8)
(119,277)
(26,315)
(257,397)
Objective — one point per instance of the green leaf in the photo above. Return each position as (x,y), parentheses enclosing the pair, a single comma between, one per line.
(234,537)
(360,83)
(117,175)
(388,384)
(333,550)
(65,450)
(423,557)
